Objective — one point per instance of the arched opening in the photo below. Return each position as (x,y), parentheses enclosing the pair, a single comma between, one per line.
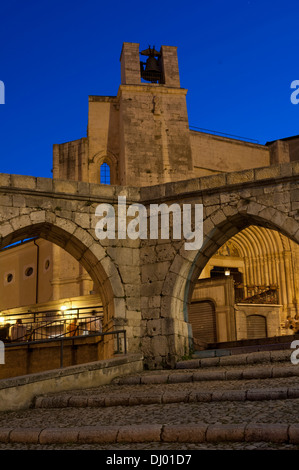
(105,174)
(33,276)
(188,272)
(253,279)
(103,168)
(38,272)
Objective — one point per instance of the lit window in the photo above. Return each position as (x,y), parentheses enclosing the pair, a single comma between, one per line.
(105,173)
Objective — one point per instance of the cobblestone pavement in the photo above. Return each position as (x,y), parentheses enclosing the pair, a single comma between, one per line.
(223,412)
(179,412)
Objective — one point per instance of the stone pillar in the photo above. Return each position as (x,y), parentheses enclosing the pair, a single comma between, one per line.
(170,67)
(279,152)
(282,281)
(130,64)
(289,280)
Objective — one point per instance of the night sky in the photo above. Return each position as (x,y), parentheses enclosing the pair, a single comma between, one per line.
(236,58)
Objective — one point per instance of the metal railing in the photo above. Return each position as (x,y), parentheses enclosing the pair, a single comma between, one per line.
(49,323)
(232,136)
(62,339)
(42,327)
(53,329)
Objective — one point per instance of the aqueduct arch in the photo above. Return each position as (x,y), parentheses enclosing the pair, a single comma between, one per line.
(223,222)
(226,229)
(78,243)
(146,284)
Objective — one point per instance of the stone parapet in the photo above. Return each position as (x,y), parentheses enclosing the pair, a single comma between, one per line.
(219,182)
(18,393)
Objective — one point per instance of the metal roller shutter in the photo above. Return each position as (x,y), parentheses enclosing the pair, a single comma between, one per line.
(256,327)
(203,320)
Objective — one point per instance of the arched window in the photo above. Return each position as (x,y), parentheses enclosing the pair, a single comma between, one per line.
(105,174)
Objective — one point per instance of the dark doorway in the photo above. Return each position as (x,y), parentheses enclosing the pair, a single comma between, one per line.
(203,320)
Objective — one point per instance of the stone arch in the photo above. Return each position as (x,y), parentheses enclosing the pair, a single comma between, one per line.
(79,243)
(97,161)
(218,228)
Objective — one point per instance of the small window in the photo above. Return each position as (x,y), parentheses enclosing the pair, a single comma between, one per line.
(29,271)
(47,264)
(9,278)
(105,173)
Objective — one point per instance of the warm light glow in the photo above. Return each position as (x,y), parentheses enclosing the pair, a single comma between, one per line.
(72,313)
(2,320)
(227,272)
(63,307)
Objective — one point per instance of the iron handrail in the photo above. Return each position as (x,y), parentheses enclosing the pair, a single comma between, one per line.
(72,338)
(60,322)
(35,313)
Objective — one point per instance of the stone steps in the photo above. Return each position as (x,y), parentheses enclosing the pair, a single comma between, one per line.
(237,400)
(210,358)
(133,399)
(234,373)
(133,390)
(199,433)
(279,343)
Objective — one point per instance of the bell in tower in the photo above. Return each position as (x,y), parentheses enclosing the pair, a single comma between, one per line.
(151,69)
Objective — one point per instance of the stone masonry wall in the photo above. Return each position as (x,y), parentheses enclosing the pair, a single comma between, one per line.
(146,284)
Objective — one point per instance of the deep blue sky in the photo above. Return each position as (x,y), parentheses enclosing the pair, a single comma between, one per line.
(237,59)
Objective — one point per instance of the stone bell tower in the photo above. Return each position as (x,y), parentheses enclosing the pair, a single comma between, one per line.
(142,133)
(154,129)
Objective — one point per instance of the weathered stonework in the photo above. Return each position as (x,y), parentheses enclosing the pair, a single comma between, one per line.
(146,285)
